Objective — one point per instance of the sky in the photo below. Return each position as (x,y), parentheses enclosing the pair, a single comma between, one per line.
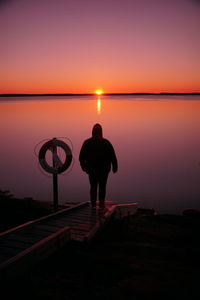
(120,46)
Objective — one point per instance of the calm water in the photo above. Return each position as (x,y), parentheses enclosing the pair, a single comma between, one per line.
(156,139)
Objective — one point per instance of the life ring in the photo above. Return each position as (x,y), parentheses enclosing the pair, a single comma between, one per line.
(49,146)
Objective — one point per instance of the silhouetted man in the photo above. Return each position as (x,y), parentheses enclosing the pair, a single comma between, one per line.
(96,157)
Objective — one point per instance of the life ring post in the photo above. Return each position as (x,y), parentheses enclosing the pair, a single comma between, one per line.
(55,178)
(58,166)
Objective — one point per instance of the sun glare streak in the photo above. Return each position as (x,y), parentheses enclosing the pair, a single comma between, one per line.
(98,106)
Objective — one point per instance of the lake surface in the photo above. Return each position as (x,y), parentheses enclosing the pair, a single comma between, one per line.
(156,139)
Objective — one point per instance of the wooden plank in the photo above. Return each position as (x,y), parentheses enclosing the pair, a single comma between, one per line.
(126,209)
(15,244)
(102,221)
(78,235)
(41,233)
(55,224)
(37,239)
(30,224)
(83,236)
(80,219)
(71,222)
(29,239)
(9,251)
(82,213)
(82,227)
(45,227)
(77,238)
(22,227)
(17,265)
(83,216)
(79,232)
(4,257)
(88,222)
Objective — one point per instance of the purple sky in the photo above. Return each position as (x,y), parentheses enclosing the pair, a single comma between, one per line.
(80,45)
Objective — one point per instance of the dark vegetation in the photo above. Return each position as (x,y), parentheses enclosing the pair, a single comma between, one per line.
(15,211)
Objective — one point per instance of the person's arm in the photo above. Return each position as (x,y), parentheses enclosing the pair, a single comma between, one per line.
(82,157)
(114,161)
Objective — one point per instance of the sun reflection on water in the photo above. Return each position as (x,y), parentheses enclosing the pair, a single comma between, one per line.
(98,106)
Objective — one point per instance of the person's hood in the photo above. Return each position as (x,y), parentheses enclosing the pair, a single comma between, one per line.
(97,131)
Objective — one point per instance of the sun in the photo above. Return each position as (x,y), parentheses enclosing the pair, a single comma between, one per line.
(99,92)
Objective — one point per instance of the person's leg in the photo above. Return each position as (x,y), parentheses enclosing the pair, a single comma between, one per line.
(93,189)
(102,188)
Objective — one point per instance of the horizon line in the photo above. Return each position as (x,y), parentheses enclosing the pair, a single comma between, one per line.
(93,94)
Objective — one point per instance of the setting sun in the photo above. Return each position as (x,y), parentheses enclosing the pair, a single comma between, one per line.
(99,92)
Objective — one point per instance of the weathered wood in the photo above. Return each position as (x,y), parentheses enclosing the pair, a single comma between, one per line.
(46,227)
(75,221)
(102,221)
(8,250)
(28,243)
(28,225)
(124,210)
(15,244)
(18,264)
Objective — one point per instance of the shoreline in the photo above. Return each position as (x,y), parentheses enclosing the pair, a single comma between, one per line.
(144,256)
(16,211)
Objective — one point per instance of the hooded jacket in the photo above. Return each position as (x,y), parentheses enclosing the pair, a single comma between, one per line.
(97,154)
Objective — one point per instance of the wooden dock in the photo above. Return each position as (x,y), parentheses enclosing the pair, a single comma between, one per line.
(29,243)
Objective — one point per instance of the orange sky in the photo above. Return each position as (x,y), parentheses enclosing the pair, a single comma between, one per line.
(119,46)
